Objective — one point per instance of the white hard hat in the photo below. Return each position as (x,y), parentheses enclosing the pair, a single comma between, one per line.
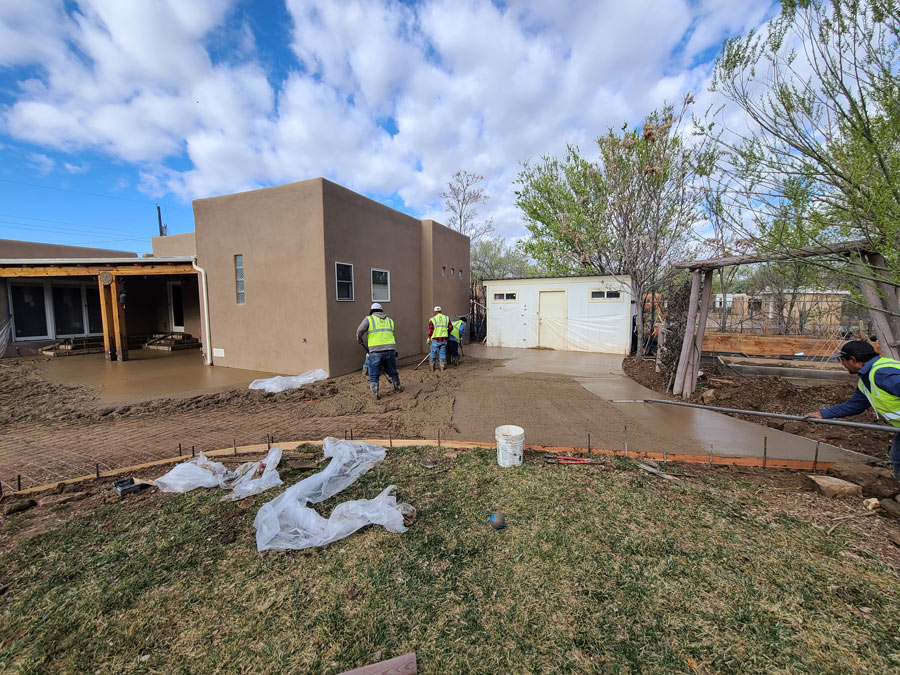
(375,305)
(437,308)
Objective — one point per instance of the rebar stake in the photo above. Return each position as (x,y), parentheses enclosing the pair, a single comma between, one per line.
(390,439)
(345,434)
(18,482)
(192,451)
(765,451)
(179,449)
(351,433)
(268,442)
(589,442)
(439,439)
(626,440)
(98,471)
(665,459)
(816,458)
(234,446)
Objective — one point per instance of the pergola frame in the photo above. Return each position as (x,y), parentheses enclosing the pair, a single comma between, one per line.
(881,297)
(108,273)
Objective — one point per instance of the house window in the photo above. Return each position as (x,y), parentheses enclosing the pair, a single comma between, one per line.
(506,296)
(460,274)
(443,271)
(381,285)
(755,305)
(239,278)
(598,295)
(452,271)
(343,273)
(613,295)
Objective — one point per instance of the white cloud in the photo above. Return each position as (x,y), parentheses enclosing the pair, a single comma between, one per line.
(41,163)
(468,85)
(76,168)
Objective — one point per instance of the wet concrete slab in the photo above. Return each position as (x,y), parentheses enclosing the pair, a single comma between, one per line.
(148,374)
(654,426)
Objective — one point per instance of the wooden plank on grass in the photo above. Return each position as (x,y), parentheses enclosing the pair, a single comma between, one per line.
(402,665)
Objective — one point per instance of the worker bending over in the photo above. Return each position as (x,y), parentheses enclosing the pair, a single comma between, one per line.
(878,386)
(457,329)
(379,332)
(438,330)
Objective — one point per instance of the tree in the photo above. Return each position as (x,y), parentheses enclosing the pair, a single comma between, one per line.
(821,92)
(464,193)
(492,258)
(628,214)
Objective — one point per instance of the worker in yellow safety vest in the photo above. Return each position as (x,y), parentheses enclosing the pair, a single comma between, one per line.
(438,331)
(378,330)
(878,386)
(457,329)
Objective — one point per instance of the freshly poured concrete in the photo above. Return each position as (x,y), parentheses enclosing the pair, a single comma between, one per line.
(655,426)
(149,373)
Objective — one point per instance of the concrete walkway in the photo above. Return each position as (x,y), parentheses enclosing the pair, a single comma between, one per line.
(654,427)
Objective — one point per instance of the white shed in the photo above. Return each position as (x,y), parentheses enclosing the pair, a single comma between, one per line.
(587,314)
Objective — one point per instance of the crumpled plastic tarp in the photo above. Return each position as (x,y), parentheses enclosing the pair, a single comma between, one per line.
(250,478)
(273,385)
(288,523)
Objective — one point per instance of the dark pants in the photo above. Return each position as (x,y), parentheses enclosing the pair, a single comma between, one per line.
(452,350)
(894,455)
(386,360)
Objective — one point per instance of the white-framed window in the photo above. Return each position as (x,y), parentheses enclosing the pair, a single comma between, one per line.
(343,275)
(603,295)
(381,285)
(443,271)
(505,296)
(239,278)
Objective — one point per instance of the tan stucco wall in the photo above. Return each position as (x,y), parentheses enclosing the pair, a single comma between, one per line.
(369,235)
(175,245)
(31,249)
(450,252)
(281,327)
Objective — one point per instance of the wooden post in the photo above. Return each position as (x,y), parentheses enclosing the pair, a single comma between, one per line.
(691,385)
(119,330)
(879,319)
(687,343)
(106,317)
(891,303)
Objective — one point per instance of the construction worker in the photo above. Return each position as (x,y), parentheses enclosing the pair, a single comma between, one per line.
(878,386)
(438,330)
(457,329)
(379,332)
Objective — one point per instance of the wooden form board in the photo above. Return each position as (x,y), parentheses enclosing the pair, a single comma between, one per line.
(94,270)
(770,345)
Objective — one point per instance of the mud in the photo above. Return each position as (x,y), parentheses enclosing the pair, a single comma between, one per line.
(777,395)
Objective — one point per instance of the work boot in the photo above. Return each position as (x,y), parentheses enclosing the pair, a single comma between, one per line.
(443,363)
(373,387)
(397,386)
(431,362)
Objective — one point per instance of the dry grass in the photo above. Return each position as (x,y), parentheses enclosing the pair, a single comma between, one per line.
(600,569)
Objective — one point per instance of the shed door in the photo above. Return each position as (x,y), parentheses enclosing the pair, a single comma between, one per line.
(552,319)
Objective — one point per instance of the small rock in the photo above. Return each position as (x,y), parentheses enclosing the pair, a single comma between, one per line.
(144,658)
(17,506)
(795,427)
(890,507)
(874,481)
(246,503)
(835,487)
(723,395)
(352,592)
(709,396)
(895,537)
(651,463)
(64,498)
(428,463)
(451,455)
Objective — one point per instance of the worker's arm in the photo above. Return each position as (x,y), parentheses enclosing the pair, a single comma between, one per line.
(857,404)
(361,330)
(430,329)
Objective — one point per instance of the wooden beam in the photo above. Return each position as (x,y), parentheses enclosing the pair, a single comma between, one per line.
(119,329)
(94,269)
(688,341)
(106,315)
(790,254)
(691,385)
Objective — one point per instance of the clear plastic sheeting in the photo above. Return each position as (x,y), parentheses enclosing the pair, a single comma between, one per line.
(4,335)
(514,326)
(250,478)
(273,385)
(288,523)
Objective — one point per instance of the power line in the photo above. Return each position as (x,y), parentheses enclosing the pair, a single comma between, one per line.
(92,194)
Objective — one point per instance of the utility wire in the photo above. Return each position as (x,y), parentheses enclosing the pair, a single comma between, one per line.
(92,194)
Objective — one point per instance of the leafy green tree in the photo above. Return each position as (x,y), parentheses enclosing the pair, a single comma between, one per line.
(627,214)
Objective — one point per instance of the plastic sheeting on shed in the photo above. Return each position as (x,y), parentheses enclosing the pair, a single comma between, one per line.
(518,326)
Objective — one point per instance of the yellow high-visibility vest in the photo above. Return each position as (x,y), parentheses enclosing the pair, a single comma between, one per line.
(381,331)
(885,404)
(441,323)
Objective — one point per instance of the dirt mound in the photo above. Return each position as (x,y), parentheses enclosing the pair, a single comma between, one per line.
(774,394)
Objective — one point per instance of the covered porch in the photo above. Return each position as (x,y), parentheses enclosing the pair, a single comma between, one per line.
(90,300)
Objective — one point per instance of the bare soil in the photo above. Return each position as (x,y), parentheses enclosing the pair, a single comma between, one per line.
(768,393)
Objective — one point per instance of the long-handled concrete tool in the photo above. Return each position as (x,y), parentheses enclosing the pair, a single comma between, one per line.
(799,418)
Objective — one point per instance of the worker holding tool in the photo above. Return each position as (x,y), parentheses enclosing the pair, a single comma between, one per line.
(457,328)
(379,332)
(438,330)
(878,386)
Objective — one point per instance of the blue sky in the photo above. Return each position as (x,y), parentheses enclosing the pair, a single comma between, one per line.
(108,108)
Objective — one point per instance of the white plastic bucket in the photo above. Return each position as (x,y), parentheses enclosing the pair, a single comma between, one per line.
(510,441)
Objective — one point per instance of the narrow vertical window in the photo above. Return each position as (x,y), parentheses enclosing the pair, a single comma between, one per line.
(443,271)
(381,285)
(343,274)
(239,278)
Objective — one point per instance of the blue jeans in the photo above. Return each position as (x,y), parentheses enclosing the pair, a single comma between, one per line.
(386,360)
(438,347)
(894,455)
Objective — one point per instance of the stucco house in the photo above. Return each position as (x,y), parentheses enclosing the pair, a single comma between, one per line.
(275,279)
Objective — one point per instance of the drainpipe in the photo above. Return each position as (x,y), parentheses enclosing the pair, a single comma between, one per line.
(204,291)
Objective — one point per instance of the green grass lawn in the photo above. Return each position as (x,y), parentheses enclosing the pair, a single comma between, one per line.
(609,571)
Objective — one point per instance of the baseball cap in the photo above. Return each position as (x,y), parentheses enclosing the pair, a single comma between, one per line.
(856,349)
